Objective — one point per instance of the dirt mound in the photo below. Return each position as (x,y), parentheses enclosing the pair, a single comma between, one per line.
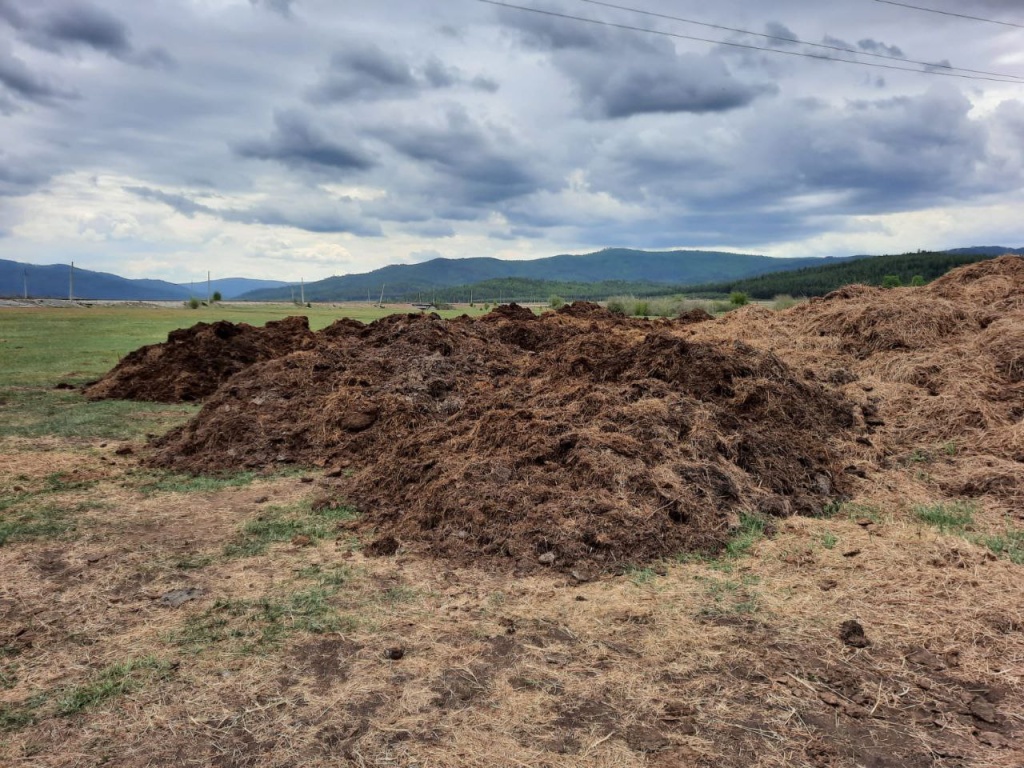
(194,361)
(552,437)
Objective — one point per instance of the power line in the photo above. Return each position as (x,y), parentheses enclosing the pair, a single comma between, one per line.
(950,13)
(781,38)
(802,54)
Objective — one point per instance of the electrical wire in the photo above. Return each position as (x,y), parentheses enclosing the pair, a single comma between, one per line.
(746,46)
(941,65)
(950,13)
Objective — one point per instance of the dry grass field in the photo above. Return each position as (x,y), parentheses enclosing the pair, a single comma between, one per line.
(153,617)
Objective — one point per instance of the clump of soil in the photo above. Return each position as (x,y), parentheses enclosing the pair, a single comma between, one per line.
(194,361)
(595,439)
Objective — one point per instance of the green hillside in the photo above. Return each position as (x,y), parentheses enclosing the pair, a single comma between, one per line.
(817,281)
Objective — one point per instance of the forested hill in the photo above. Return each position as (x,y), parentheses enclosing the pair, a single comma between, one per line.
(872,270)
(408,281)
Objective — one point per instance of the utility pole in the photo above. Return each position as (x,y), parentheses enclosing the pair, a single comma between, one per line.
(209,294)
(71,283)
(25,276)
(302,290)
(381,302)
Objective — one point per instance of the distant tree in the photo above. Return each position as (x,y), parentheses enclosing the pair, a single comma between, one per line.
(216,296)
(556,302)
(193,303)
(891,281)
(738,298)
(917,281)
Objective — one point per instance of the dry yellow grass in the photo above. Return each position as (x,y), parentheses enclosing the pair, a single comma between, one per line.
(728,663)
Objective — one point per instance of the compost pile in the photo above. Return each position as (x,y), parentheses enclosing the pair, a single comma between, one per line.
(936,373)
(194,361)
(577,437)
(584,440)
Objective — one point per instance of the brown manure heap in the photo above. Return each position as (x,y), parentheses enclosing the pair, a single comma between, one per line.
(583,439)
(936,372)
(577,437)
(194,361)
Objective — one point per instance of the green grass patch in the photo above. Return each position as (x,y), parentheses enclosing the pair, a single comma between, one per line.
(1009,545)
(265,622)
(43,522)
(177,483)
(954,517)
(31,413)
(751,531)
(115,680)
(829,540)
(957,518)
(282,524)
(108,683)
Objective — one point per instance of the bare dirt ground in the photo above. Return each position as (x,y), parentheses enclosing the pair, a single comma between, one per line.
(146,619)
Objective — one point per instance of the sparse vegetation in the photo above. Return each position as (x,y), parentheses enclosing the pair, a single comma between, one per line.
(283,524)
(738,298)
(953,517)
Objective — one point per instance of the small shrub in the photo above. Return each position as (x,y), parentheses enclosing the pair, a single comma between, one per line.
(617,305)
(891,281)
(641,308)
(217,296)
(738,298)
(784,301)
(917,281)
(193,303)
(556,302)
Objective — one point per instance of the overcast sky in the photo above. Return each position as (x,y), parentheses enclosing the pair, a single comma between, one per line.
(305,138)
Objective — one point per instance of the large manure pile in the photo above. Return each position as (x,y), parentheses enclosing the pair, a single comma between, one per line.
(585,439)
(936,373)
(577,436)
(194,361)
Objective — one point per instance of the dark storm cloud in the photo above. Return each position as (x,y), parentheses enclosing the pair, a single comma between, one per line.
(312,214)
(80,24)
(11,15)
(685,83)
(21,81)
(180,203)
(619,73)
(297,143)
(476,164)
(779,30)
(18,177)
(322,218)
(89,26)
(873,46)
(282,7)
(364,71)
(780,175)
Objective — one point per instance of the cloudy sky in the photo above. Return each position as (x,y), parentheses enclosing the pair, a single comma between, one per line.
(305,138)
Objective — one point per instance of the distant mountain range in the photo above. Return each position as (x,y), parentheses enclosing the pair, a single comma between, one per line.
(621,265)
(53,281)
(615,270)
